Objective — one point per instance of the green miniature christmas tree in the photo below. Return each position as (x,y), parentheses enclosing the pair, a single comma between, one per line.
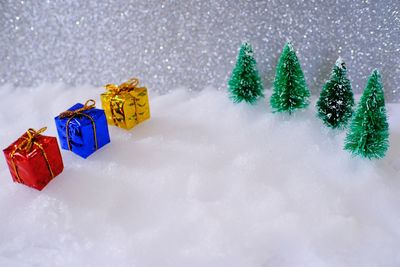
(369,131)
(245,83)
(290,89)
(335,104)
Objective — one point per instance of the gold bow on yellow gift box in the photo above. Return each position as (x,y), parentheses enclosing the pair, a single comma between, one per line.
(126,104)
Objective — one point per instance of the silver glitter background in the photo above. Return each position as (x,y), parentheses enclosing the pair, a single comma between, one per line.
(193,44)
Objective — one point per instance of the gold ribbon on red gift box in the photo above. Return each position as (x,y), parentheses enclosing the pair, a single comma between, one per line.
(26,146)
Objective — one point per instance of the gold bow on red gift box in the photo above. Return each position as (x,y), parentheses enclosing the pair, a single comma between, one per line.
(34,159)
(29,139)
(126,104)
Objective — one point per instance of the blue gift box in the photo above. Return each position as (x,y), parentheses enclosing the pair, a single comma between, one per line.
(83,131)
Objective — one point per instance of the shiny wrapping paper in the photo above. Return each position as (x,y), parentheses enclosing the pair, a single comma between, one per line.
(126,105)
(34,167)
(83,132)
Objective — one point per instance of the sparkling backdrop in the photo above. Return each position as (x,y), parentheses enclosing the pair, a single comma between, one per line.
(193,44)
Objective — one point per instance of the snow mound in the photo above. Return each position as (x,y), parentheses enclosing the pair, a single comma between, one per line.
(204,182)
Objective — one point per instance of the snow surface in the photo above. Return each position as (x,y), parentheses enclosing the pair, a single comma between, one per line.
(204,182)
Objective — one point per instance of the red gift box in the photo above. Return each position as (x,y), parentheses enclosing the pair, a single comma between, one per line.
(34,159)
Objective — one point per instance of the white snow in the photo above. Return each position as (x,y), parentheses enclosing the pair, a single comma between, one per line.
(204,182)
(290,46)
(339,62)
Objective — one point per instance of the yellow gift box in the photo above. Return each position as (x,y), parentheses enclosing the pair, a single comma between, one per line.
(126,104)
